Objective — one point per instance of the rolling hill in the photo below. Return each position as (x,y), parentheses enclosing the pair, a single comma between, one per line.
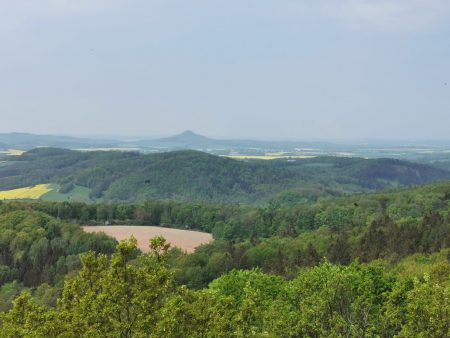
(197,176)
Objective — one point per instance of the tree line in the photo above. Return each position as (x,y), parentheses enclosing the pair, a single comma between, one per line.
(235,222)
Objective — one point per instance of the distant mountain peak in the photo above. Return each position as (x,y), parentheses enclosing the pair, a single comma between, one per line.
(188,137)
(188,133)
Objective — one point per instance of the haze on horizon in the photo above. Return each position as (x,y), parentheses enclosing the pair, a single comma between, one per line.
(275,69)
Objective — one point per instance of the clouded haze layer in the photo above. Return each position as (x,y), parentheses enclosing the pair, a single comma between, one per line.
(325,69)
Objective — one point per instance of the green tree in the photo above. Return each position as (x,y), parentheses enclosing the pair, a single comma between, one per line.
(427,310)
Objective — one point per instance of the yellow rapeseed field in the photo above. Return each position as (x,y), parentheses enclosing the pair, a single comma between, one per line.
(13,152)
(26,193)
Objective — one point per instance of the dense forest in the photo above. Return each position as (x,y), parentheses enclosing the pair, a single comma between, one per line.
(364,265)
(236,222)
(283,238)
(196,176)
(39,250)
(129,296)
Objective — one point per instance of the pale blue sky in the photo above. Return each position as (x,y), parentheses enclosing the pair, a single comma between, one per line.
(318,69)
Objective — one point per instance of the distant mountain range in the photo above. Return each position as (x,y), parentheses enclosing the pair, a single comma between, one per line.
(190,140)
(27,141)
(432,153)
(186,140)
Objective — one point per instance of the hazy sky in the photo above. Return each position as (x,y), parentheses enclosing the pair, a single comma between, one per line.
(322,69)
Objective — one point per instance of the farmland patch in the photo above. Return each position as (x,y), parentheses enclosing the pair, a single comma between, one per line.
(184,239)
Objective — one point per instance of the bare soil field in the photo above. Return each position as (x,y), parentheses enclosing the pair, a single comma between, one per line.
(184,239)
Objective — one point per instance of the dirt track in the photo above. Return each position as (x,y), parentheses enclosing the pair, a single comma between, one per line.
(183,239)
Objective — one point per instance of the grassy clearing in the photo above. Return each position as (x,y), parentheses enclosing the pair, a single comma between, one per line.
(78,194)
(26,193)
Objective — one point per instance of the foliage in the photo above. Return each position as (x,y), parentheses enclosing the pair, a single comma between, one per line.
(358,266)
(196,176)
(280,239)
(36,248)
(129,296)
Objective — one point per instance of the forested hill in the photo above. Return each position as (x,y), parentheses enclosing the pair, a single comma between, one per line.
(193,175)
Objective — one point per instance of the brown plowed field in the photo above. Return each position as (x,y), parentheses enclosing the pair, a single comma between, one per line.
(184,239)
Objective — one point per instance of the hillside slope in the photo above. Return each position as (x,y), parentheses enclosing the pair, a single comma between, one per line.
(192,175)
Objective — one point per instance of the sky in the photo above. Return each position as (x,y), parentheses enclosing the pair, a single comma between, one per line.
(266,69)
